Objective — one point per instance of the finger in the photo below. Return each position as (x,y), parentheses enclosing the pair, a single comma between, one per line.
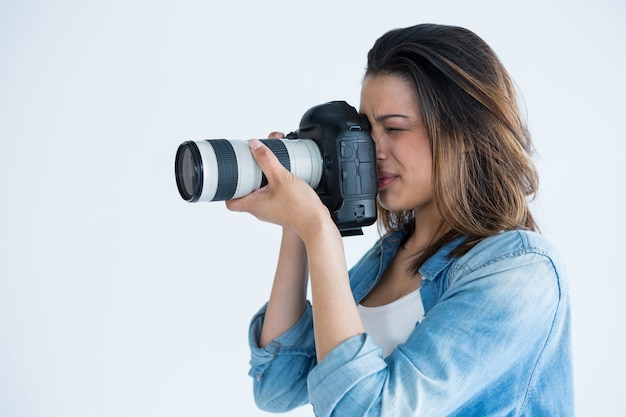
(267,161)
(239,204)
(233,205)
(276,135)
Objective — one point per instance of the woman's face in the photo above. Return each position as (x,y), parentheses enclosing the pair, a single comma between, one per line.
(402,145)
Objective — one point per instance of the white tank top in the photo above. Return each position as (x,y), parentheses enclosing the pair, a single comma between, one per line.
(391,324)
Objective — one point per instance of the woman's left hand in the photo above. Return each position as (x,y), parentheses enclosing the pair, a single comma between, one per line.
(286,200)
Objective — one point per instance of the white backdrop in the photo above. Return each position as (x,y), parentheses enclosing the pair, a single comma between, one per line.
(117,298)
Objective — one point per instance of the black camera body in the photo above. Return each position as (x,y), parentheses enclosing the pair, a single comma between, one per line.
(348,186)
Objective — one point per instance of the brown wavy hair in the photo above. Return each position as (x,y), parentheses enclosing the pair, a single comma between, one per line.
(483,173)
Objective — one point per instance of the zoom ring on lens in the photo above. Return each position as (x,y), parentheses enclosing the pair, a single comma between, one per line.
(227,169)
(279,149)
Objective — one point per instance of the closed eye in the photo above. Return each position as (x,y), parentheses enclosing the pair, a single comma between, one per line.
(394,129)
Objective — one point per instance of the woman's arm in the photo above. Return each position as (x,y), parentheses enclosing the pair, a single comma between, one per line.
(293,204)
(288,297)
(335,316)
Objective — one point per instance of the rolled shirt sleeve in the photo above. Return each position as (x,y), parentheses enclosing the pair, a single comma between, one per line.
(353,368)
(280,369)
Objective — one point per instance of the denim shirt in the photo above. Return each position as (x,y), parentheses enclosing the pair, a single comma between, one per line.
(495,341)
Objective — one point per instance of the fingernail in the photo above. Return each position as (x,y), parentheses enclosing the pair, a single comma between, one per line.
(255,143)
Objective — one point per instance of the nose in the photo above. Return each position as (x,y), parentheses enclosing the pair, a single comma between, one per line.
(378,138)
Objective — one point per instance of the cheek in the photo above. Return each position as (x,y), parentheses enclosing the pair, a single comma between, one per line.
(419,180)
(419,161)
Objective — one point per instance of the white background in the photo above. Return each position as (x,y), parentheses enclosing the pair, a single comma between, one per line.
(117,298)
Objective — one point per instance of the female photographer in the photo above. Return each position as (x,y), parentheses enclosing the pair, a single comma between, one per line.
(462,307)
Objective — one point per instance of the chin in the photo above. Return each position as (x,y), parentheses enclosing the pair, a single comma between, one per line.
(391,205)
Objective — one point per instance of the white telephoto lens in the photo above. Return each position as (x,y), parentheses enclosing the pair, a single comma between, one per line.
(221,169)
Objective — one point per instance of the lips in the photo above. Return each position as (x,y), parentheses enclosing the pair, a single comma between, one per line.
(385,179)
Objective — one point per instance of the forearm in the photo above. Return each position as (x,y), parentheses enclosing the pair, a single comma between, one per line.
(288,297)
(335,316)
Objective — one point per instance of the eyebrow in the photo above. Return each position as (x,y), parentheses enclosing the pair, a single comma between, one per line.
(384,117)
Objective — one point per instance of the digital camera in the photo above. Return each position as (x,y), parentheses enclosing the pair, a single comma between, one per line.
(332,151)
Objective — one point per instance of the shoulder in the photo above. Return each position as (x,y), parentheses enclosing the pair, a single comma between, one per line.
(509,250)
(508,245)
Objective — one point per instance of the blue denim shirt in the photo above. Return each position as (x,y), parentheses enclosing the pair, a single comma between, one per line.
(495,341)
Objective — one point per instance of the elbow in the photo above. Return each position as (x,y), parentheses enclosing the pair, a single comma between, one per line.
(274,400)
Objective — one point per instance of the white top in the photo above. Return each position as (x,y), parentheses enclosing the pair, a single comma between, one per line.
(391,324)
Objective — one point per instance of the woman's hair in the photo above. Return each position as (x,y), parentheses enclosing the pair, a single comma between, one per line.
(481,149)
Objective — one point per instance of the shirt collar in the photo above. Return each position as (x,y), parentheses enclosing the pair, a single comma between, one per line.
(440,260)
(433,265)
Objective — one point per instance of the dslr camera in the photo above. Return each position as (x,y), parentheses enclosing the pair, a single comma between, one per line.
(332,151)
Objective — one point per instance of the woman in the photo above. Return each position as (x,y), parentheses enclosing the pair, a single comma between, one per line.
(462,307)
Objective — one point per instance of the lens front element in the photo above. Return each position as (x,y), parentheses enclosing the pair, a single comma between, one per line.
(189,171)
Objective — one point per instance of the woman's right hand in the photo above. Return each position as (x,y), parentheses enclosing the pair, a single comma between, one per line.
(288,297)
(290,202)
(286,200)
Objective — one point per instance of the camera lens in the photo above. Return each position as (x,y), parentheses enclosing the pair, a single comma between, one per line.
(189,171)
(221,169)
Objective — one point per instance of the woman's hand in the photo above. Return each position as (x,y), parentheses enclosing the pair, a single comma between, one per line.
(286,200)
(292,203)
